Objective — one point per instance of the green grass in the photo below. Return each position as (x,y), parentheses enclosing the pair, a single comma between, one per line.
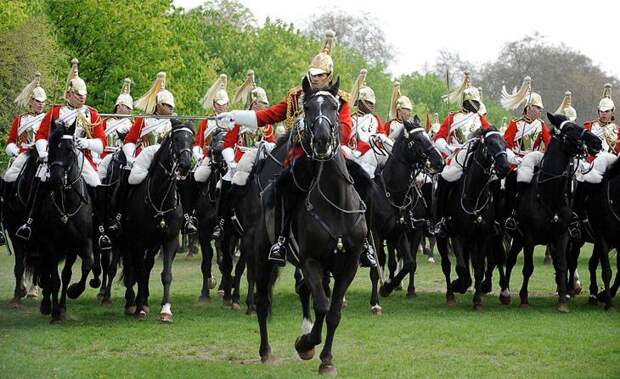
(414,338)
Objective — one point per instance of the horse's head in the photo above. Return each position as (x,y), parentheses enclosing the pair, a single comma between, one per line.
(492,151)
(216,145)
(574,139)
(182,139)
(61,154)
(418,148)
(320,135)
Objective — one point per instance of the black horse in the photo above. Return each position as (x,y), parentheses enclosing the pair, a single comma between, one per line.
(328,226)
(63,226)
(604,215)
(154,219)
(471,210)
(15,199)
(543,210)
(396,203)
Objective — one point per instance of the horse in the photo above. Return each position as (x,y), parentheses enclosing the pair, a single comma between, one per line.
(397,206)
(604,216)
(63,223)
(543,210)
(15,199)
(471,210)
(153,219)
(327,230)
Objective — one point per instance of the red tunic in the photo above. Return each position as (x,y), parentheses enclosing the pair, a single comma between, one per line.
(363,146)
(12,137)
(543,137)
(281,111)
(444,129)
(97,131)
(231,140)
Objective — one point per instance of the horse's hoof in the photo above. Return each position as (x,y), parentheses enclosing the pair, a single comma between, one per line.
(57,321)
(220,293)
(95,283)
(141,315)
(578,288)
(165,317)
(592,300)
(147,309)
(376,310)
(22,292)
(450,300)
(15,303)
(524,306)
(478,307)
(235,307)
(267,359)
(211,283)
(130,310)
(106,302)
(204,299)
(563,307)
(411,293)
(251,310)
(75,290)
(46,307)
(100,296)
(33,293)
(305,355)
(226,303)
(505,300)
(327,369)
(609,307)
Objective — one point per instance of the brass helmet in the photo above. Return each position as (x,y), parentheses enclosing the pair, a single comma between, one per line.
(125,96)
(216,93)
(32,91)
(523,96)
(74,82)
(466,91)
(157,94)
(322,63)
(566,107)
(606,102)
(398,101)
(361,91)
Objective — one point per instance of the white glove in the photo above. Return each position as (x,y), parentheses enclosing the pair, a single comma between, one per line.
(232,165)
(443,146)
(92,144)
(226,120)
(129,149)
(245,118)
(357,153)
(12,149)
(41,146)
(513,158)
(197,151)
(229,156)
(269,146)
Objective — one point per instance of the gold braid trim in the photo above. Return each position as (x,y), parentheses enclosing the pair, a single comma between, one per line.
(344,95)
(292,107)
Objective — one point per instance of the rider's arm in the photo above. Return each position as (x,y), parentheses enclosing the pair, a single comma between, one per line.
(273,114)
(509,134)
(441,138)
(346,124)
(485,123)
(11,141)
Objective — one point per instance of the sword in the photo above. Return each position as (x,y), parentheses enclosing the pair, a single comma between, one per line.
(159,117)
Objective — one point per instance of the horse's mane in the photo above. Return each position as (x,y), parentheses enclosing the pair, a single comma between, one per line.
(612,171)
(480,132)
(56,134)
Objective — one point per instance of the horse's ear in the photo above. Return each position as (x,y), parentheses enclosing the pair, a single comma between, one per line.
(555,119)
(416,120)
(335,87)
(305,85)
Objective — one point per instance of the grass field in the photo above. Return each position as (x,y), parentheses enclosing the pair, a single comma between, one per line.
(414,338)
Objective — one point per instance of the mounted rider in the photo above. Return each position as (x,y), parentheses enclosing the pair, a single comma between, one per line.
(116,128)
(453,135)
(89,136)
(290,110)
(21,134)
(526,138)
(400,110)
(367,127)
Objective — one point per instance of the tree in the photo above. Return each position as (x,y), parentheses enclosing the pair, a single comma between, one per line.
(451,67)
(360,32)
(231,12)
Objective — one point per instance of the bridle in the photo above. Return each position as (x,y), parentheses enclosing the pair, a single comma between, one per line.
(309,125)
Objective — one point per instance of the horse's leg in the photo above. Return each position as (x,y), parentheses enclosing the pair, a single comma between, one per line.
(142,280)
(226,267)
(249,301)
(341,283)
(558,254)
(592,266)
(57,312)
(18,272)
(391,261)
(375,307)
(111,274)
(46,302)
(313,276)
(614,288)
(511,261)
(403,247)
(169,251)
(303,291)
(130,276)
(491,263)
(572,258)
(95,282)
(446,268)
(75,290)
(528,269)
(463,276)
(263,297)
(105,269)
(416,239)
(66,279)
(205,267)
(236,288)
(478,257)
(603,253)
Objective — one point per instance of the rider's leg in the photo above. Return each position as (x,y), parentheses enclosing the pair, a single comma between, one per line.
(98,196)
(223,208)
(121,201)
(442,191)
(188,189)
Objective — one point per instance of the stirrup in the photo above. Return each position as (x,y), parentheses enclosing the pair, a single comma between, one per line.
(189,226)
(277,253)
(219,228)
(104,241)
(116,226)
(510,223)
(25,232)
(367,258)
(574,230)
(440,229)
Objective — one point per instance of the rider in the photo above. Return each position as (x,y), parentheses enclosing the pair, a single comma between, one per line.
(400,110)
(453,133)
(604,126)
(116,128)
(89,138)
(290,110)
(143,141)
(21,134)
(366,126)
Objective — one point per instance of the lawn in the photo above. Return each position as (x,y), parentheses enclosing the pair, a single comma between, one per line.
(418,337)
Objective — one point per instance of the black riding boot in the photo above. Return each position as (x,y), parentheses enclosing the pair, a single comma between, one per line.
(277,252)
(188,190)
(443,189)
(25,231)
(579,217)
(367,258)
(3,193)
(116,224)
(223,209)
(98,195)
(511,221)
